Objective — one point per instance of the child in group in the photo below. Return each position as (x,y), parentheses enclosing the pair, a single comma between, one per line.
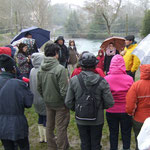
(38,102)
(23,60)
(100,57)
(79,69)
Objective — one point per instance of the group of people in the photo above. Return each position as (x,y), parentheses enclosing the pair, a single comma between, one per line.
(86,90)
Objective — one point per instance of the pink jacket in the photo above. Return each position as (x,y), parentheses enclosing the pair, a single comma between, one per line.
(119,83)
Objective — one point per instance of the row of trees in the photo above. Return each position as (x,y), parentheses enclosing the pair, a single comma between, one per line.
(112,17)
(97,18)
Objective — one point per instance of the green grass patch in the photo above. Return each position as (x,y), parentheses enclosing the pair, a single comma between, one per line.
(73,133)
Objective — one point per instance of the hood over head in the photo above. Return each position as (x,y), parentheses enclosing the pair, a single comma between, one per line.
(101,52)
(117,65)
(37,59)
(60,38)
(145,72)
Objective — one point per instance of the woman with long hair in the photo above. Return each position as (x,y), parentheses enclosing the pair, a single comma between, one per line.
(23,60)
(73,56)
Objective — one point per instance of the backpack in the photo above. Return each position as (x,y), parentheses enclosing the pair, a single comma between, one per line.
(86,107)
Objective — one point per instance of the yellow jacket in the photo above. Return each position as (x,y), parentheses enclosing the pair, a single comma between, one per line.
(132,62)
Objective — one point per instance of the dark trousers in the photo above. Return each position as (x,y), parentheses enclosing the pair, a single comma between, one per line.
(132,74)
(125,122)
(23,144)
(90,137)
(136,127)
(42,120)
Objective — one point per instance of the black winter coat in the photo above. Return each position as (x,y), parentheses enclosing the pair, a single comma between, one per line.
(14,97)
(63,53)
(107,61)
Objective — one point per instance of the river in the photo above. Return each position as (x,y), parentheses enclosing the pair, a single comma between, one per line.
(88,44)
(85,45)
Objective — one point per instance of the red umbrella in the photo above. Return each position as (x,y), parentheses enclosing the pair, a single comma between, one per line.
(119,43)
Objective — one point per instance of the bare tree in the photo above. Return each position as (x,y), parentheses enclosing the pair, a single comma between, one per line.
(145,4)
(40,11)
(109,10)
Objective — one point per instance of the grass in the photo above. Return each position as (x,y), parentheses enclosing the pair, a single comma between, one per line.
(73,134)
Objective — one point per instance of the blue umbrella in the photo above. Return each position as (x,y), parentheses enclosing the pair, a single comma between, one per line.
(41,36)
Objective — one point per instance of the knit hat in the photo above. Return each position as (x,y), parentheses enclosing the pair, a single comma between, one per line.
(6,62)
(130,38)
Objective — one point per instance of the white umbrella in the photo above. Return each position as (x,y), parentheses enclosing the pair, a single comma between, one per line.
(142,51)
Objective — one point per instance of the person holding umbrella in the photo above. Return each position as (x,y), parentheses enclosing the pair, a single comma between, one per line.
(110,53)
(112,46)
(29,41)
(30,36)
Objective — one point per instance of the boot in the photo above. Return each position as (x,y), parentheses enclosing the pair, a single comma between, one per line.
(40,128)
(44,134)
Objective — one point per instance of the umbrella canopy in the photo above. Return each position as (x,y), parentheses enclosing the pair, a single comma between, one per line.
(142,51)
(40,35)
(119,43)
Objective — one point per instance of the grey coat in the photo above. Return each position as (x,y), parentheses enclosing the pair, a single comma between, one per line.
(102,94)
(38,102)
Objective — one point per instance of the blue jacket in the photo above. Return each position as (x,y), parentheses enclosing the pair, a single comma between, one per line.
(14,97)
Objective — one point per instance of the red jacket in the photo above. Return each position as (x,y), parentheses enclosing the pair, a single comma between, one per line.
(97,70)
(101,60)
(138,97)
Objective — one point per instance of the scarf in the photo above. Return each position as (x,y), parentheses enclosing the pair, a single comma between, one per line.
(110,52)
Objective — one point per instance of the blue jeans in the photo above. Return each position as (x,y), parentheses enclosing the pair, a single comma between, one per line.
(90,136)
(42,120)
(125,122)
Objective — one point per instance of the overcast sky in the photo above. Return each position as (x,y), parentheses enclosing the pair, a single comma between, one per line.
(76,2)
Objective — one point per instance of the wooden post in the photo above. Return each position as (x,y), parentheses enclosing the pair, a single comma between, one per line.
(127,24)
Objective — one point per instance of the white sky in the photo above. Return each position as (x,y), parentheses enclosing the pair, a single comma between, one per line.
(76,2)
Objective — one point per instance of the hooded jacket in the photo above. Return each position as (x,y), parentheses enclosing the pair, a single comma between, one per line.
(64,53)
(119,83)
(96,70)
(132,62)
(101,60)
(138,97)
(38,102)
(102,94)
(52,82)
(15,96)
